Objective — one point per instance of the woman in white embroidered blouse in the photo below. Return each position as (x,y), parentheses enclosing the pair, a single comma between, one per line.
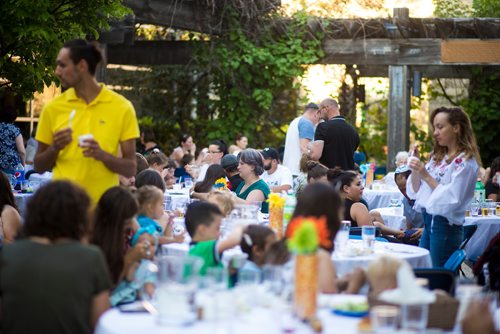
(444,187)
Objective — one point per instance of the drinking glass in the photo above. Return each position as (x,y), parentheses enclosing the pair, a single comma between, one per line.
(368,237)
(474,208)
(384,319)
(24,186)
(491,207)
(177,283)
(414,317)
(248,278)
(188,183)
(342,237)
(485,208)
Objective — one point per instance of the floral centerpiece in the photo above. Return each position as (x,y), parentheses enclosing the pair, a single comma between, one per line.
(221,184)
(276,206)
(304,236)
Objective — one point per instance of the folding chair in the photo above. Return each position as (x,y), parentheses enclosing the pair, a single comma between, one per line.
(439,278)
(455,260)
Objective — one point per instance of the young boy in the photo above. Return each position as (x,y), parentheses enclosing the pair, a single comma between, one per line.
(203,221)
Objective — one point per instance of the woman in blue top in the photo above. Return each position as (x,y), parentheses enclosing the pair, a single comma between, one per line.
(12,152)
(252,189)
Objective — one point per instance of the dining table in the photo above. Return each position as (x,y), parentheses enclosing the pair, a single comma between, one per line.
(262,320)
(487,228)
(381,198)
(346,260)
(393,217)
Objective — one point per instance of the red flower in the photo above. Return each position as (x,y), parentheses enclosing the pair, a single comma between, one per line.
(458,161)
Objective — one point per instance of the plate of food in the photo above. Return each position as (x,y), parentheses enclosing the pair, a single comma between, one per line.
(351,309)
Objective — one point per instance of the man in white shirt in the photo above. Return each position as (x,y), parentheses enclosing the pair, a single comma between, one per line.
(300,133)
(278,177)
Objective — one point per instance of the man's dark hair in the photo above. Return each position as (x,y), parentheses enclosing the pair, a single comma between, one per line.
(221,144)
(59,209)
(149,135)
(80,49)
(200,213)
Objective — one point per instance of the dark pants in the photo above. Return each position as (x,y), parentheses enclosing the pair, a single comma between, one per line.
(442,239)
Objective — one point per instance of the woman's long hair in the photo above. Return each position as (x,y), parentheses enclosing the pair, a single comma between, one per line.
(6,195)
(115,208)
(466,141)
(320,200)
(214,172)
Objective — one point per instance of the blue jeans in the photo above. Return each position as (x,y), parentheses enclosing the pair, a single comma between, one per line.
(442,239)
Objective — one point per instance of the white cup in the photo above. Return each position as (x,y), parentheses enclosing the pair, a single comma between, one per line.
(83,138)
(412,159)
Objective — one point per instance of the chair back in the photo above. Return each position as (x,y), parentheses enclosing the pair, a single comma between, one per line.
(439,278)
(455,260)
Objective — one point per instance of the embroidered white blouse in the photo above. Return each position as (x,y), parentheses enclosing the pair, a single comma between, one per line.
(452,196)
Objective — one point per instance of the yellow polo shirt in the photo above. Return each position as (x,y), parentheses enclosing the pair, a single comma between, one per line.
(110,118)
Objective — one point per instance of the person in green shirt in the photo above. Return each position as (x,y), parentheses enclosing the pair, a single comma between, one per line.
(203,222)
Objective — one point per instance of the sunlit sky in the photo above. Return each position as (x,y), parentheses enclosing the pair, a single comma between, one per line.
(322,81)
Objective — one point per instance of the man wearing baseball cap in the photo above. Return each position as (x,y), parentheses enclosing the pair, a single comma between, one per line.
(300,133)
(278,177)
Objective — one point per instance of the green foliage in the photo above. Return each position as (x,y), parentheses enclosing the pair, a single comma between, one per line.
(486,8)
(373,132)
(483,99)
(452,8)
(252,70)
(32,33)
(483,108)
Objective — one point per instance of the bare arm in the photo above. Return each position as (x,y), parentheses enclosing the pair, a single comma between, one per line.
(304,145)
(11,221)
(232,240)
(279,189)
(327,275)
(100,304)
(21,151)
(317,149)
(46,154)
(125,165)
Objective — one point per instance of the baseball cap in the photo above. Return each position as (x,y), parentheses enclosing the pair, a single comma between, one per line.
(270,153)
(228,161)
(311,105)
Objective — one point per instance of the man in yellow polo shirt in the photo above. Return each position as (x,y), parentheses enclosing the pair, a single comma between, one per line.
(86,108)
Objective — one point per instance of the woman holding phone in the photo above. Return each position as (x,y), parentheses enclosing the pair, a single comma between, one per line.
(444,186)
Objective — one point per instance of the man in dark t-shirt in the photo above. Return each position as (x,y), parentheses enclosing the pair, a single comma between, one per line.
(335,140)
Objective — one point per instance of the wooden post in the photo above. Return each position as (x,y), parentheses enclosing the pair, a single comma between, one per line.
(398,134)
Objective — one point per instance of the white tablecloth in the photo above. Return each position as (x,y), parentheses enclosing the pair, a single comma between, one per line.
(392,218)
(417,257)
(259,320)
(487,228)
(380,198)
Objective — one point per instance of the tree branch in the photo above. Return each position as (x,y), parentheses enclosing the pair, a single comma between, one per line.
(446,94)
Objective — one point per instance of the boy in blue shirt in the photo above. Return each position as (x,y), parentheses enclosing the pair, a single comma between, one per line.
(203,222)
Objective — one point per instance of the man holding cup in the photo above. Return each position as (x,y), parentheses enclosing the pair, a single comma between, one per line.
(87,134)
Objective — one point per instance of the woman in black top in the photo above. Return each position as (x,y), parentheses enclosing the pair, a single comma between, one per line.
(492,185)
(351,189)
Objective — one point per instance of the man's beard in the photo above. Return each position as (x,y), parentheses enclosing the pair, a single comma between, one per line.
(268,167)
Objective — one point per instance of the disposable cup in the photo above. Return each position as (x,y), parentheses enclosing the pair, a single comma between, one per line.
(83,138)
